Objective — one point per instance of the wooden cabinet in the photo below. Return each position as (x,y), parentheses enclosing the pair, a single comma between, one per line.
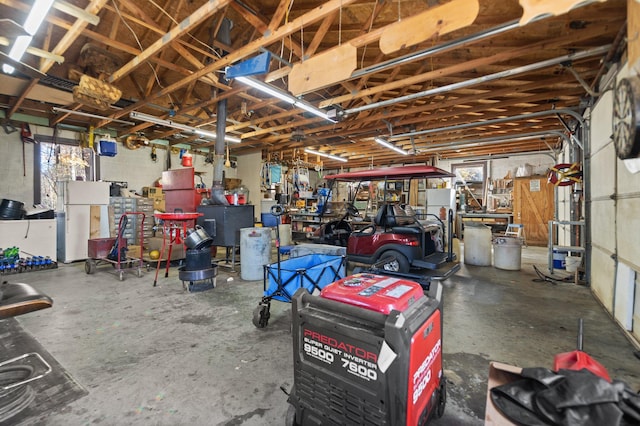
(533,207)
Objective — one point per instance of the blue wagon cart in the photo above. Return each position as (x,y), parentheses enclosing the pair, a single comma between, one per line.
(283,279)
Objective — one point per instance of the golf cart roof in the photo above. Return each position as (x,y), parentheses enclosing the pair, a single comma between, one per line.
(404,172)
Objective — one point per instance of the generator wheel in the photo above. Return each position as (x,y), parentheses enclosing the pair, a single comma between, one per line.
(442,399)
(290,420)
(261,316)
(90,266)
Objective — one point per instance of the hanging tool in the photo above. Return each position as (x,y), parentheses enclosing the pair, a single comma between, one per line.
(25,136)
(227,163)
(117,246)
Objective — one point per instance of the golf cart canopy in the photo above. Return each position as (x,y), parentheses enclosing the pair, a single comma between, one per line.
(404,172)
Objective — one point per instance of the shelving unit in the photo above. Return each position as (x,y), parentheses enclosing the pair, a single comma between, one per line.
(304,221)
(553,248)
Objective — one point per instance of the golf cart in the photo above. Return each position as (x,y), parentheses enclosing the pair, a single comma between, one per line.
(410,242)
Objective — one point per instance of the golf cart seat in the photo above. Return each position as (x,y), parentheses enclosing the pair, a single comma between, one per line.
(393,217)
(18,298)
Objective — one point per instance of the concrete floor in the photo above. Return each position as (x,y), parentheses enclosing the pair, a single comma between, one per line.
(160,356)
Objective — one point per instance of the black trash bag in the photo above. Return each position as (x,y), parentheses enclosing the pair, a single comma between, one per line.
(566,398)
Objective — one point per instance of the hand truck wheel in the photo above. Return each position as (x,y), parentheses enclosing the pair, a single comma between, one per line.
(90,266)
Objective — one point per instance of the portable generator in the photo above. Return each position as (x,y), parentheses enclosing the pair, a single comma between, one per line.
(368,351)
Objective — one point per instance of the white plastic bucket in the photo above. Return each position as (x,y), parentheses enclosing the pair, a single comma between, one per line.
(285,234)
(266,204)
(477,244)
(255,252)
(507,253)
(572,263)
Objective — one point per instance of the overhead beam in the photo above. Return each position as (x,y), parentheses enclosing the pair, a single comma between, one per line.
(197,17)
(250,48)
(73,33)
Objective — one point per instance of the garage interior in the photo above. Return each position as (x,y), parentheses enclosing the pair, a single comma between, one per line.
(530,107)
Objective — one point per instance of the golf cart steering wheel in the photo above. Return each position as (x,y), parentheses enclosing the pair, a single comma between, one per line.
(352,210)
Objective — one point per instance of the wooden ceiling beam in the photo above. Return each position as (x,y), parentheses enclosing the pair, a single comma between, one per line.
(73,33)
(579,36)
(285,30)
(279,14)
(187,24)
(261,25)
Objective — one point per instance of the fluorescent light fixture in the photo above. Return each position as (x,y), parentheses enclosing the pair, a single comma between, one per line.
(19,47)
(86,114)
(37,14)
(268,89)
(390,146)
(284,96)
(170,123)
(323,154)
(313,110)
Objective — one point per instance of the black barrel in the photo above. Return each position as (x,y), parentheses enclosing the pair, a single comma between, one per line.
(11,210)
(198,259)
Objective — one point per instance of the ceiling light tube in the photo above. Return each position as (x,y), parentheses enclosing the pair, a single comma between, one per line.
(284,96)
(86,114)
(390,146)
(268,89)
(37,14)
(19,47)
(170,123)
(313,110)
(323,154)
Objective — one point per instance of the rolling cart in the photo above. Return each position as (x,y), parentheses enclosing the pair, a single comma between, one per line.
(284,278)
(114,251)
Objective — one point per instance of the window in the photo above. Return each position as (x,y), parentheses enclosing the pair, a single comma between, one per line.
(60,163)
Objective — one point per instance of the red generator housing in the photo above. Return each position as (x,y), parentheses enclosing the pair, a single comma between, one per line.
(367,351)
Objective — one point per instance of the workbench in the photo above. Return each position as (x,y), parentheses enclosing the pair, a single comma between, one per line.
(492,220)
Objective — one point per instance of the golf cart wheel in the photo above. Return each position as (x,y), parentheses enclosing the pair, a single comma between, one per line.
(290,420)
(442,399)
(90,266)
(261,316)
(399,263)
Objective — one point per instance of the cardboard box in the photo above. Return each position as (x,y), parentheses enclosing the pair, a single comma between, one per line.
(231,183)
(499,374)
(159,204)
(153,192)
(134,251)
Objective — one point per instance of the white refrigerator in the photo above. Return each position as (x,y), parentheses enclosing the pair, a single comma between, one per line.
(73,217)
(438,198)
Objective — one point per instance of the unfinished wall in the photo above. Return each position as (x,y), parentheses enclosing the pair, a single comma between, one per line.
(15,184)
(132,166)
